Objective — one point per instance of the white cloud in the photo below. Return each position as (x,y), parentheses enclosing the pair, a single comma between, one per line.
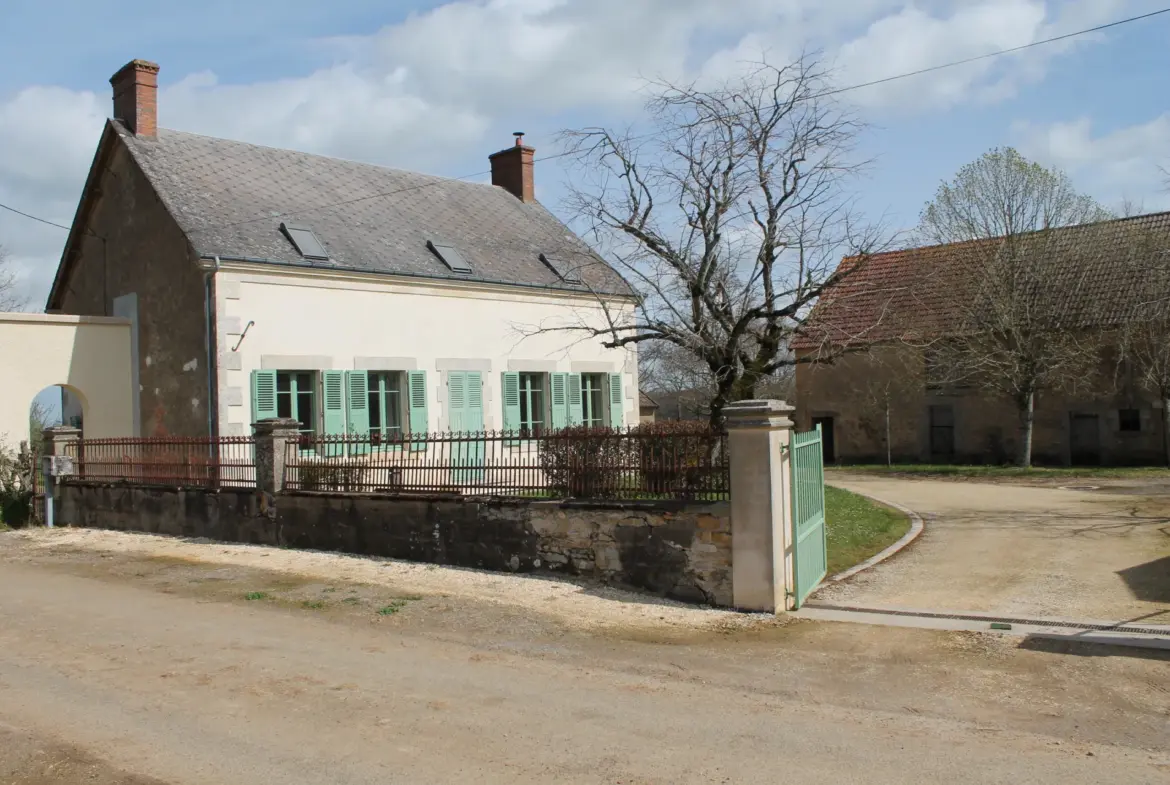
(914,39)
(1122,164)
(426,92)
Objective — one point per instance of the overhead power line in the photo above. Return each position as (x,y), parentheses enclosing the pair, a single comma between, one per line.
(997,53)
(835,91)
(33,217)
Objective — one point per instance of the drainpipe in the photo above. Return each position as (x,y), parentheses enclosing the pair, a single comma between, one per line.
(212,345)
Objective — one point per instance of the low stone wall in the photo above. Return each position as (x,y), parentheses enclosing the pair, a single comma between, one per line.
(673,549)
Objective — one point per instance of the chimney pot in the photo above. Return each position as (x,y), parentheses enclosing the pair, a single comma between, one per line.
(136,97)
(512,169)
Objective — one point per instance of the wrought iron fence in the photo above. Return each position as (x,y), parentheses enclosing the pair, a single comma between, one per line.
(579,462)
(224,462)
(37,486)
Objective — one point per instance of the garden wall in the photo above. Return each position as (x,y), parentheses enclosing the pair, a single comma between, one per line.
(675,549)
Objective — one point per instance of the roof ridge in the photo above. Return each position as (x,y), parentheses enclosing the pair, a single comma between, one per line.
(255,145)
(960,243)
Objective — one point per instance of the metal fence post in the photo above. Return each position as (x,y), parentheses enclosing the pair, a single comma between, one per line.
(272,439)
(758,434)
(55,441)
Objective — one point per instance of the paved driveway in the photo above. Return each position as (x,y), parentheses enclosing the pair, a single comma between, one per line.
(1014,549)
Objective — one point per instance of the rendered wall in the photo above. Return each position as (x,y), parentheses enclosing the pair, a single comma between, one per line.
(322,321)
(91,355)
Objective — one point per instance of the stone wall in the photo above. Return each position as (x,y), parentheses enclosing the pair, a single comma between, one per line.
(853,391)
(673,549)
(145,252)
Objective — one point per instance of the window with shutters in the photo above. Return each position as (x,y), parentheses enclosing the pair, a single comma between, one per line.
(532,404)
(296,397)
(386,404)
(593,398)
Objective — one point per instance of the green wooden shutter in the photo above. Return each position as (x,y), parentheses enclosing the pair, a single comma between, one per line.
(575,407)
(416,381)
(457,400)
(473,411)
(357,399)
(510,382)
(559,397)
(615,400)
(334,407)
(263,395)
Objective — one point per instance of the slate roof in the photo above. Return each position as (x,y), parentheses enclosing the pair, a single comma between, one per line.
(231,197)
(1100,276)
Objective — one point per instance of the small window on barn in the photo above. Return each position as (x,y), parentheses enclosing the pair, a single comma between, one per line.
(450,256)
(1129,420)
(305,242)
(563,269)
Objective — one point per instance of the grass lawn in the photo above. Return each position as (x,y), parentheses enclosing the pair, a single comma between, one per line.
(858,528)
(991,472)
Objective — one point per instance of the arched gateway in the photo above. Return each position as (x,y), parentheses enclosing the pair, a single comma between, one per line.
(90,356)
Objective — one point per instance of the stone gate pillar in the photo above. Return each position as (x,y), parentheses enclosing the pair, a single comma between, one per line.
(758,434)
(272,439)
(54,444)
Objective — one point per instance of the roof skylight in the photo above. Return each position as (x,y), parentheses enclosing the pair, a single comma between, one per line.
(305,242)
(450,256)
(562,269)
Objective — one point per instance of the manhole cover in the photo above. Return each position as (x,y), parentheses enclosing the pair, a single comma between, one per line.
(1080,487)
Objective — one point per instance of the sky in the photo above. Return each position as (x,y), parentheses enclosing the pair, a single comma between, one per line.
(437,86)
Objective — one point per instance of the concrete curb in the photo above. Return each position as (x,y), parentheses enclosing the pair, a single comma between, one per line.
(1070,632)
(916,527)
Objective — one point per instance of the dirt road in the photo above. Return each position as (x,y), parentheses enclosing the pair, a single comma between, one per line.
(1015,549)
(132,660)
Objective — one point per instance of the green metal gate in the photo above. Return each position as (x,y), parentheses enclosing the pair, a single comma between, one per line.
(809,553)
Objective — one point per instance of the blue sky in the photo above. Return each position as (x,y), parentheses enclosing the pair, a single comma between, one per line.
(438,86)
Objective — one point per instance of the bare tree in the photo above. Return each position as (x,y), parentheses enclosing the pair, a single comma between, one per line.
(684,386)
(10,299)
(730,218)
(892,377)
(1014,278)
(1144,333)
(1145,346)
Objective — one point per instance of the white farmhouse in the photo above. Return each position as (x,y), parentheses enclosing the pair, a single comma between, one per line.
(352,297)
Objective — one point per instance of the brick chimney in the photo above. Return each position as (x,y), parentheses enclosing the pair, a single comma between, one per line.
(512,170)
(136,97)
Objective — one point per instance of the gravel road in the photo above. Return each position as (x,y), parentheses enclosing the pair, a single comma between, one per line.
(137,660)
(1015,549)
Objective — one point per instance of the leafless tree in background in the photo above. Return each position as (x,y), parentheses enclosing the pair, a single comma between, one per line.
(10,299)
(683,386)
(730,219)
(1015,280)
(893,377)
(1144,335)
(1145,346)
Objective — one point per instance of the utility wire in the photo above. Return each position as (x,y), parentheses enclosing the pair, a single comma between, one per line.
(35,218)
(836,91)
(989,55)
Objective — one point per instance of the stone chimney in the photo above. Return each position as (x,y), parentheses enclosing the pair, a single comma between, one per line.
(136,97)
(512,170)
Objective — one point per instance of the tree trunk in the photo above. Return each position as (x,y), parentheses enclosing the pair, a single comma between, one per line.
(715,415)
(1027,419)
(729,392)
(1166,427)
